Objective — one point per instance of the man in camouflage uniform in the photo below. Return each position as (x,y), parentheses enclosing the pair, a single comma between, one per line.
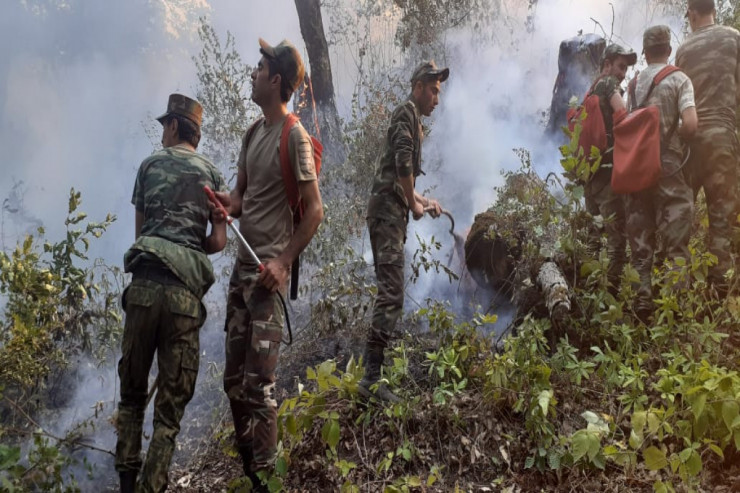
(254,315)
(600,199)
(710,56)
(392,199)
(661,215)
(171,273)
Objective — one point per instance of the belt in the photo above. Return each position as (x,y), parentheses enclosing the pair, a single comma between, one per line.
(158,273)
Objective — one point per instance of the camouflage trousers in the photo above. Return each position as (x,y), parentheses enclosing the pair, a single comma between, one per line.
(713,166)
(658,222)
(165,318)
(254,328)
(386,240)
(601,200)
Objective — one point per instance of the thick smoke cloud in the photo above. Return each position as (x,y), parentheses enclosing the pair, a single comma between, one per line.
(494,101)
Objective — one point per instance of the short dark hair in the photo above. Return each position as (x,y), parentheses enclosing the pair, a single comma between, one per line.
(273,69)
(703,8)
(657,51)
(187,130)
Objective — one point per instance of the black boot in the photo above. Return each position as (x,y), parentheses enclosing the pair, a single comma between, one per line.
(246,454)
(373,362)
(128,481)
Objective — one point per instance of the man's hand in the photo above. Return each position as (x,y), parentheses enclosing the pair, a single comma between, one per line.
(433,208)
(417,210)
(217,213)
(275,274)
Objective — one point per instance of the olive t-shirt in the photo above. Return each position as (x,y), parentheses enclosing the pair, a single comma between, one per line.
(267,221)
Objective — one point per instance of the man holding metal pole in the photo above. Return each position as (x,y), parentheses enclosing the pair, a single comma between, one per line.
(393,198)
(254,317)
(171,273)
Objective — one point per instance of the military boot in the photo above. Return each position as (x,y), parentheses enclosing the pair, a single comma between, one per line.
(128,481)
(373,363)
(247,456)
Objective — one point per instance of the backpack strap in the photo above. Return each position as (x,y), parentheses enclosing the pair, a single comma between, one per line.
(632,90)
(289,179)
(291,188)
(593,86)
(659,77)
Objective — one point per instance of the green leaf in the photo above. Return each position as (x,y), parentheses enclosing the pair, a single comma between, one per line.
(529,462)
(693,465)
(730,411)
(9,456)
(274,484)
(594,445)
(718,451)
(660,487)
(580,445)
(654,458)
(281,466)
(591,417)
(553,459)
(333,437)
(698,403)
(653,422)
(414,481)
(544,400)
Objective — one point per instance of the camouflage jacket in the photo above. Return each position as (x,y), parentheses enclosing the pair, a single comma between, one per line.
(710,56)
(169,193)
(401,157)
(604,88)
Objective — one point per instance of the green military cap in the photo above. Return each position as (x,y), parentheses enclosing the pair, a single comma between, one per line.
(615,50)
(428,70)
(289,62)
(183,106)
(656,36)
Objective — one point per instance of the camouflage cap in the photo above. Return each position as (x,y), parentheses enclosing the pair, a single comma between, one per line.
(429,70)
(183,106)
(289,61)
(615,50)
(656,36)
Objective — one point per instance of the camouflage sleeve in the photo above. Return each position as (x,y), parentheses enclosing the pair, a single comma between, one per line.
(300,150)
(138,196)
(685,94)
(219,184)
(606,87)
(402,140)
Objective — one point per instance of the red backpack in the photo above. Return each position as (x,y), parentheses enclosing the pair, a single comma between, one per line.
(593,130)
(637,142)
(291,183)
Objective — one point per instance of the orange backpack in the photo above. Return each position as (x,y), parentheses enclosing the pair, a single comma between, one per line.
(593,130)
(291,183)
(637,142)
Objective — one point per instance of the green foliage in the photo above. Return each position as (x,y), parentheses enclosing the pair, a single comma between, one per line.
(58,306)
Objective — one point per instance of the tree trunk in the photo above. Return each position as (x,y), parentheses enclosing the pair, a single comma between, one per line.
(318,94)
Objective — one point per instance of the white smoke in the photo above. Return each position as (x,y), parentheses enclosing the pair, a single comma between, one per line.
(495,99)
